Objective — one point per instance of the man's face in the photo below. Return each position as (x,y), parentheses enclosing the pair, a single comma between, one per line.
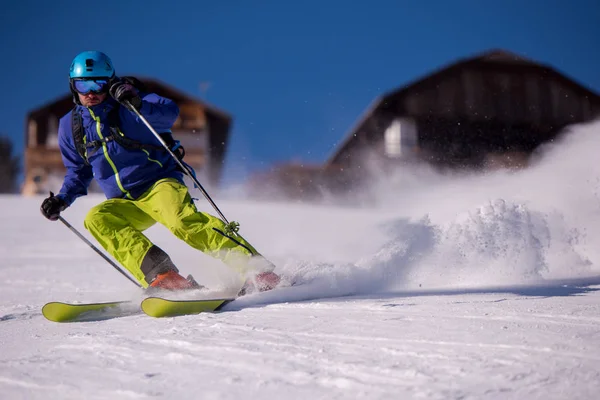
(91,99)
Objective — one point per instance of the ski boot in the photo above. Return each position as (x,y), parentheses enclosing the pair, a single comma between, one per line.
(171,280)
(261,282)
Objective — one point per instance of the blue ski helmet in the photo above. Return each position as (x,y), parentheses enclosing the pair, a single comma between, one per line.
(91,64)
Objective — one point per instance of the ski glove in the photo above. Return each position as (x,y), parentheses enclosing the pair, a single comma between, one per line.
(123,91)
(52,207)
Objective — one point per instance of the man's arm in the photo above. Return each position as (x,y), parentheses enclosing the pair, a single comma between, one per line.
(160,112)
(79,174)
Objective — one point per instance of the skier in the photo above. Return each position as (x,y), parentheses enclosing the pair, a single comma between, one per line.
(101,138)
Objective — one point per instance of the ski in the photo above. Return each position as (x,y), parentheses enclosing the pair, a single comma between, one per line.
(159,307)
(153,306)
(69,312)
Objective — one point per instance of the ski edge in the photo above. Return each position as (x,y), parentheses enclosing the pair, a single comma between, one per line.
(158,307)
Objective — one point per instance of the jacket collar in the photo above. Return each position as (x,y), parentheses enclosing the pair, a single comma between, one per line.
(103,109)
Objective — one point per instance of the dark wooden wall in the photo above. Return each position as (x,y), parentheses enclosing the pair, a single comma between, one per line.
(489,111)
(475,108)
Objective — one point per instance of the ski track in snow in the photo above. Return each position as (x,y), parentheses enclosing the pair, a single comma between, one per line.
(453,288)
(461,346)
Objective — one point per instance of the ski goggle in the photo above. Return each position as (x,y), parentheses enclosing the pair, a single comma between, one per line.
(85,86)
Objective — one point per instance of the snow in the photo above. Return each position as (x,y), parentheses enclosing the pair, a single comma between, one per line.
(461,287)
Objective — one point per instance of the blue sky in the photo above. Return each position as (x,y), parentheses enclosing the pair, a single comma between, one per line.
(295,75)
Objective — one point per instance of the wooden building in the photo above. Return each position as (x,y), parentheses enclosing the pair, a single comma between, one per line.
(202,130)
(488,111)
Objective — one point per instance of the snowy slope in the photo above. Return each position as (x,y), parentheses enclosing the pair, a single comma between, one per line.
(470,287)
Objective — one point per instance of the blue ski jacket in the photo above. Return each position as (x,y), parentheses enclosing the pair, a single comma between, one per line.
(120,172)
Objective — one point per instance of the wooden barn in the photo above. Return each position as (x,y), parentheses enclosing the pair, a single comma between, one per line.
(488,111)
(202,130)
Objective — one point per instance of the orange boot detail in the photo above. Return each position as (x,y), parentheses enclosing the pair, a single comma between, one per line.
(261,282)
(267,281)
(171,280)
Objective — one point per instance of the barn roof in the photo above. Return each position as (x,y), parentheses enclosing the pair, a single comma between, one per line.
(489,58)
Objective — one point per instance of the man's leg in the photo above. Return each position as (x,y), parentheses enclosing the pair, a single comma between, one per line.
(117,224)
(170,203)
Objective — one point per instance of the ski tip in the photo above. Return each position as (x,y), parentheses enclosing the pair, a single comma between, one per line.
(67,312)
(53,312)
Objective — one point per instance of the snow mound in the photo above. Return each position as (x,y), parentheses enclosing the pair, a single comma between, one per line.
(498,243)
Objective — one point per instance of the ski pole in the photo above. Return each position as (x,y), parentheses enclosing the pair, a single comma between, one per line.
(232,226)
(108,260)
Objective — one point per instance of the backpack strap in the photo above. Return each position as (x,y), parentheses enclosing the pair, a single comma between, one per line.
(114,123)
(77,129)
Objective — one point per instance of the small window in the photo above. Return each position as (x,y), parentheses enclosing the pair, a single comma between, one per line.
(32,132)
(400,137)
(52,140)
(196,139)
(392,140)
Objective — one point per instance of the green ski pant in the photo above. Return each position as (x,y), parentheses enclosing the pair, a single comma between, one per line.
(117,224)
